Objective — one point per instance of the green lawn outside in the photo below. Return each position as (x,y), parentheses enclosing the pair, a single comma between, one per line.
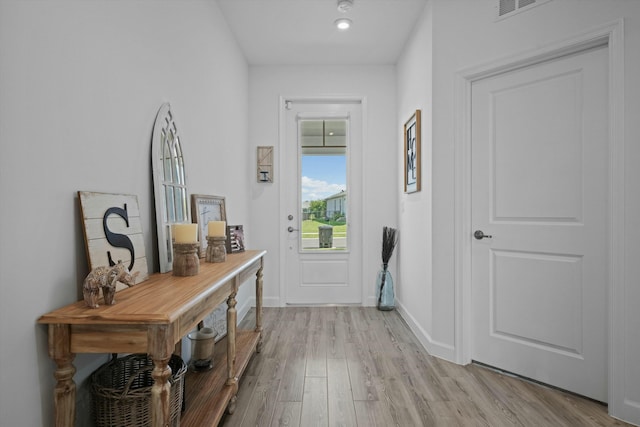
(310,228)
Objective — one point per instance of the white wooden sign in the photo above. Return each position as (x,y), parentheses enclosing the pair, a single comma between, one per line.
(113,232)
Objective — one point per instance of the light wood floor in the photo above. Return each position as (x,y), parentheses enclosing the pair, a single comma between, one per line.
(354,366)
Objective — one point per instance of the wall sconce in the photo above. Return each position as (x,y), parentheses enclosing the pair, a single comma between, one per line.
(265,163)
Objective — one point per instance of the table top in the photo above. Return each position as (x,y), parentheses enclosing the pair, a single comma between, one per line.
(161,299)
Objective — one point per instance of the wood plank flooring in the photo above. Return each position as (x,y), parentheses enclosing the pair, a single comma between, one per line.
(357,366)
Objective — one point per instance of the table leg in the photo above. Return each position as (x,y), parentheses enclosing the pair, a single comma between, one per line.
(160,346)
(64,394)
(231,407)
(259,304)
(232,317)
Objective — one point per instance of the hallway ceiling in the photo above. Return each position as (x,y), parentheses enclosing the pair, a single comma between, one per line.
(294,32)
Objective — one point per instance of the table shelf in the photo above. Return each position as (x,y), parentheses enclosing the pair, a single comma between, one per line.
(204,388)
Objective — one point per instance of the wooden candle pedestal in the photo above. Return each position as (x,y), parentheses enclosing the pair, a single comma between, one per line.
(185,259)
(216,249)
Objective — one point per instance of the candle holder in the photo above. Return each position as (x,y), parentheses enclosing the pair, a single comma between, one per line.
(185,259)
(216,249)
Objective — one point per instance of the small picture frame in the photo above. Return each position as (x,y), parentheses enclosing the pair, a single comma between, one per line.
(235,239)
(206,208)
(412,155)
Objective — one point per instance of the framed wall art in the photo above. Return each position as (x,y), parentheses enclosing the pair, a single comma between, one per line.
(412,132)
(265,164)
(204,209)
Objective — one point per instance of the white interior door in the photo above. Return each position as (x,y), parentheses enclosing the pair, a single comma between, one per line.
(539,191)
(321,209)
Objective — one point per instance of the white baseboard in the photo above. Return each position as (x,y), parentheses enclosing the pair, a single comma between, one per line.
(269,302)
(370,301)
(434,348)
(251,302)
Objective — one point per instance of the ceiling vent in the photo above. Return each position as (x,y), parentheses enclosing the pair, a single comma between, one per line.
(508,8)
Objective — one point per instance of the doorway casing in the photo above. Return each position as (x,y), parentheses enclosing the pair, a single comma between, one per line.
(282,107)
(610,36)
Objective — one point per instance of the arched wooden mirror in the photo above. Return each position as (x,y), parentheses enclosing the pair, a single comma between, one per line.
(169,182)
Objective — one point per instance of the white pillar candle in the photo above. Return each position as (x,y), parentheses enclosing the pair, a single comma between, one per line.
(217,228)
(185,233)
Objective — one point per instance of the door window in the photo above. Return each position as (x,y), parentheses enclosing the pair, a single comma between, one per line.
(323,184)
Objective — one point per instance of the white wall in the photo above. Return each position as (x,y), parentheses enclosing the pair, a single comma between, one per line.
(377,85)
(80,85)
(415,250)
(461,34)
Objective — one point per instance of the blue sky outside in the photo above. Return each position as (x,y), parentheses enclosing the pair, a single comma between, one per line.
(323,176)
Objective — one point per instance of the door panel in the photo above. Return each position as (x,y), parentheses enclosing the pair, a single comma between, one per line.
(325,273)
(543,283)
(534,145)
(539,189)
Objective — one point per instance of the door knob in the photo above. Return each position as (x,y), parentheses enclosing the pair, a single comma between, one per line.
(290,229)
(290,217)
(478,234)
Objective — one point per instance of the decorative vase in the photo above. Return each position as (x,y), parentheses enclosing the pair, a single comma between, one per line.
(385,295)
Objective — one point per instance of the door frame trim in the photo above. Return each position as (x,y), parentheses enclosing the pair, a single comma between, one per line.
(318,99)
(610,35)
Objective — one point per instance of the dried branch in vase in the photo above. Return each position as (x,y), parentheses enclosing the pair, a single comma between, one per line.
(389,241)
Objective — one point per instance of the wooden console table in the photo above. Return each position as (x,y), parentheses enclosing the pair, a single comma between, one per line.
(152,317)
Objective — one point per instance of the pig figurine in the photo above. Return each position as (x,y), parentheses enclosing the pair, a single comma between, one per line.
(106,278)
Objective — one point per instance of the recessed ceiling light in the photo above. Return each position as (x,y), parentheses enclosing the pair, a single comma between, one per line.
(343,23)
(345,5)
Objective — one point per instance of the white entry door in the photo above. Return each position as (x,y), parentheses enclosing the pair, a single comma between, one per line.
(539,195)
(322,187)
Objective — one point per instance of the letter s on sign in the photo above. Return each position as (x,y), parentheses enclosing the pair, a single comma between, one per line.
(115,239)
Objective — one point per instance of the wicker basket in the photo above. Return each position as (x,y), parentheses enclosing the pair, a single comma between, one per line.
(121,391)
